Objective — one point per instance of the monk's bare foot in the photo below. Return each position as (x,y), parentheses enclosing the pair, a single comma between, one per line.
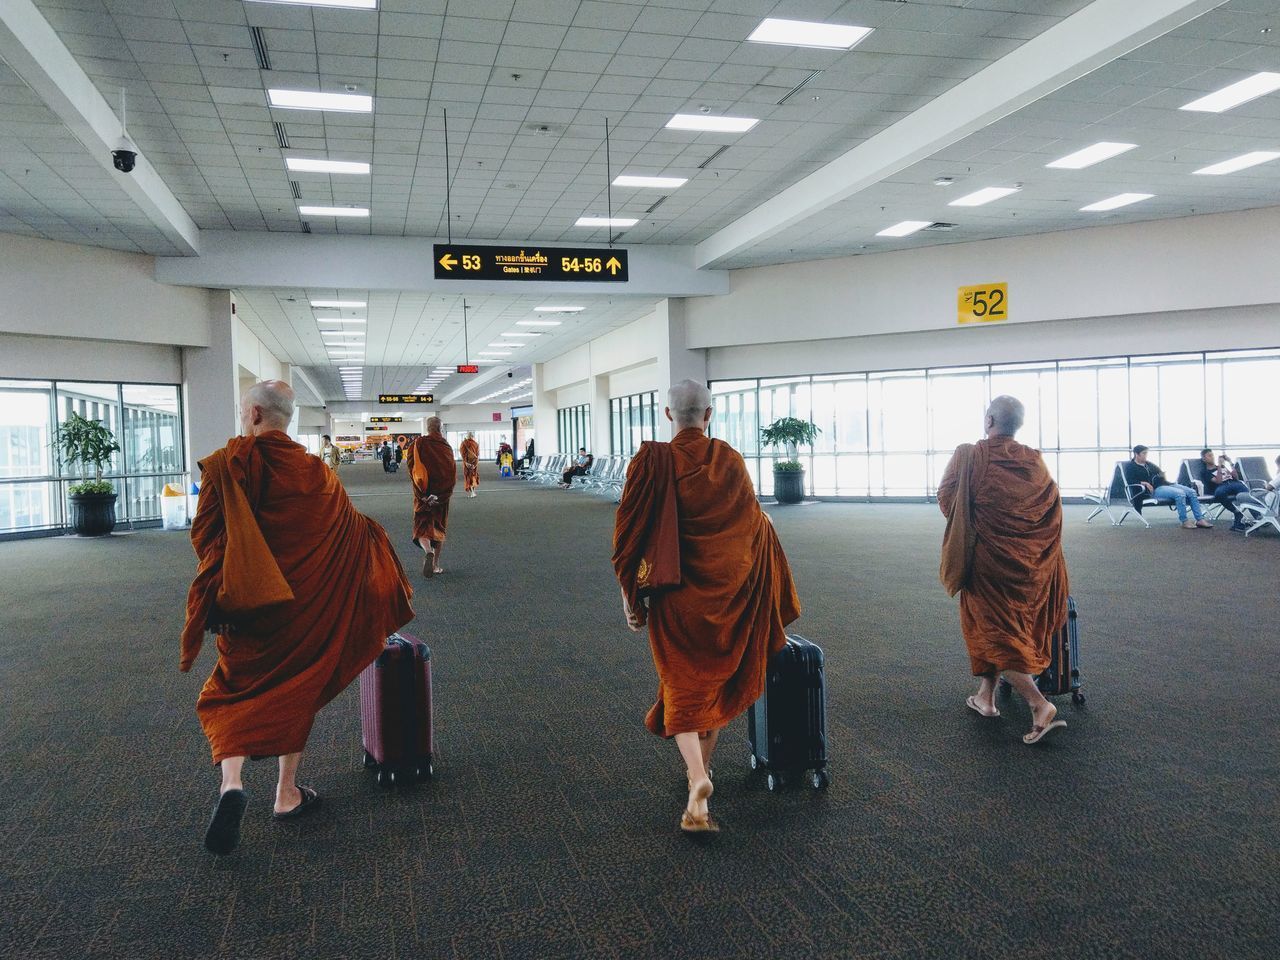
(697,817)
(1044,720)
(438,570)
(982,706)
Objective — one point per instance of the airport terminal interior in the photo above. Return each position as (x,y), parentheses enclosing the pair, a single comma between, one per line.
(856,224)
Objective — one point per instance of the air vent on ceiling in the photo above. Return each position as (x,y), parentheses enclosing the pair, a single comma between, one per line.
(296,188)
(656,204)
(306,227)
(798,87)
(260,48)
(707,162)
(282,138)
(942,227)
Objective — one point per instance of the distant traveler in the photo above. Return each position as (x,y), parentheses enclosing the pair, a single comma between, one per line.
(301,590)
(398,450)
(1138,472)
(579,468)
(1218,477)
(469,451)
(329,453)
(503,448)
(433,474)
(386,456)
(1002,552)
(698,560)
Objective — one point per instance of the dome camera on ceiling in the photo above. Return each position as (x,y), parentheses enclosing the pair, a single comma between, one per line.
(124,157)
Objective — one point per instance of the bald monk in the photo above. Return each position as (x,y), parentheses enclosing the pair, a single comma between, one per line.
(1002,553)
(433,474)
(301,591)
(469,451)
(698,560)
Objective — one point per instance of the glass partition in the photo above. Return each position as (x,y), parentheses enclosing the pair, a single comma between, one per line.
(574,428)
(632,420)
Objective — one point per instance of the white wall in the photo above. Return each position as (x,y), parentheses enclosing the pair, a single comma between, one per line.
(64,290)
(641,379)
(60,358)
(253,355)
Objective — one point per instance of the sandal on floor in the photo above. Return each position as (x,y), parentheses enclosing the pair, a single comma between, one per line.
(1040,731)
(691,824)
(310,800)
(429,564)
(223,834)
(972,704)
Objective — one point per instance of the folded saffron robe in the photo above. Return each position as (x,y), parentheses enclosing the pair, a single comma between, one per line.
(712,635)
(469,451)
(311,587)
(1014,597)
(432,470)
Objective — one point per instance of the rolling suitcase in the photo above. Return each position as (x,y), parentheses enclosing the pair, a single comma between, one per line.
(787,726)
(395,712)
(1062,676)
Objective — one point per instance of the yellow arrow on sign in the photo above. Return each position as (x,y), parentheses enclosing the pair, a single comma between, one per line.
(613,265)
(448,261)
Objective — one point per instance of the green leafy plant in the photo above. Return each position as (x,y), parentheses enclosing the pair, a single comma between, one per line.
(84,445)
(789,433)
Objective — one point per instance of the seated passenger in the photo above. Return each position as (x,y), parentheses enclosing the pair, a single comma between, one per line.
(1138,472)
(578,468)
(1002,552)
(698,560)
(1218,477)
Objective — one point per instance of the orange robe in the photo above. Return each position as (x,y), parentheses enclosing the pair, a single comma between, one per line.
(311,586)
(430,463)
(1013,591)
(469,451)
(713,634)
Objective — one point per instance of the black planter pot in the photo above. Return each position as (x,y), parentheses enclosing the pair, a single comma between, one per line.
(93,514)
(788,485)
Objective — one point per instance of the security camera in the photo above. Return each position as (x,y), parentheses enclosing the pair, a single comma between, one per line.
(124,157)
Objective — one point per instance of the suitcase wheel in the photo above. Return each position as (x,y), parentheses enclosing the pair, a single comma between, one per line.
(386,779)
(753,762)
(369,761)
(820,779)
(773,781)
(1077,697)
(426,771)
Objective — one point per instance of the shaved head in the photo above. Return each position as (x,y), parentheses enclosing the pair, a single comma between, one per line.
(434,424)
(687,404)
(266,406)
(1005,416)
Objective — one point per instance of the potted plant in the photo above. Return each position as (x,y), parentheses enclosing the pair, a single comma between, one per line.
(788,475)
(87,444)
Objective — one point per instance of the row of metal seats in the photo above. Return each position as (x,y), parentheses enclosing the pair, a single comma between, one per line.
(606,474)
(1121,499)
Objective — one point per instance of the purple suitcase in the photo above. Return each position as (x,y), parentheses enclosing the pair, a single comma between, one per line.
(395,712)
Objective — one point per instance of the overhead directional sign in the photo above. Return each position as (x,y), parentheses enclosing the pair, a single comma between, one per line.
(455,261)
(386,419)
(468,368)
(406,398)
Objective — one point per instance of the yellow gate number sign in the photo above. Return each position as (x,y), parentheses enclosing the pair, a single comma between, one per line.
(985,303)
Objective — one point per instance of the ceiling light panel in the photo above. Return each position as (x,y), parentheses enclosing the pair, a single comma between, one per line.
(1119,200)
(538,323)
(339,304)
(985,195)
(558,309)
(334,211)
(709,124)
(606,222)
(803,33)
(1242,162)
(1087,157)
(904,229)
(313,100)
(656,183)
(305,165)
(1250,88)
(347,4)
(513,334)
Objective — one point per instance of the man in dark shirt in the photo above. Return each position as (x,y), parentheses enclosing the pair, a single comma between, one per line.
(1153,483)
(579,468)
(1220,483)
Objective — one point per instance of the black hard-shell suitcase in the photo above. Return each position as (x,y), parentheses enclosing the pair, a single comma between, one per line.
(396,714)
(1062,676)
(787,726)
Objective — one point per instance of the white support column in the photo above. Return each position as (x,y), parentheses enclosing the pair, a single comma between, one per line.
(210,387)
(675,360)
(600,430)
(544,415)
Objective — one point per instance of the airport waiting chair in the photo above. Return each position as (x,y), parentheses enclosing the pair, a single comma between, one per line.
(1187,476)
(1254,473)
(1262,509)
(588,479)
(1116,500)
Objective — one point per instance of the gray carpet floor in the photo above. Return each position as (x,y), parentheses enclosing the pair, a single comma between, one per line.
(1150,828)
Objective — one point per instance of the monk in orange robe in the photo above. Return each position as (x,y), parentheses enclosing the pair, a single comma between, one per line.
(469,451)
(1002,553)
(300,589)
(434,475)
(698,560)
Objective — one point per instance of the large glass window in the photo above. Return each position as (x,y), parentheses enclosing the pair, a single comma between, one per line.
(891,433)
(145,418)
(632,420)
(574,425)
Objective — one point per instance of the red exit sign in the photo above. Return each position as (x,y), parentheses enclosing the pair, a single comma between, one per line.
(468,368)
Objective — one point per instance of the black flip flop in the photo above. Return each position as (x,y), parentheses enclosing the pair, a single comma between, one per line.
(310,800)
(223,834)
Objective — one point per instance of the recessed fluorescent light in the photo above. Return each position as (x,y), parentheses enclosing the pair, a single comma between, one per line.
(495,353)
(312,100)
(301,165)
(334,211)
(512,334)
(349,4)
(658,183)
(904,229)
(1242,162)
(538,323)
(1245,90)
(606,222)
(985,195)
(340,304)
(802,33)
(1087,157)
(1119,200)
(338,320)
(509,346)
(702,121)
(558,309)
